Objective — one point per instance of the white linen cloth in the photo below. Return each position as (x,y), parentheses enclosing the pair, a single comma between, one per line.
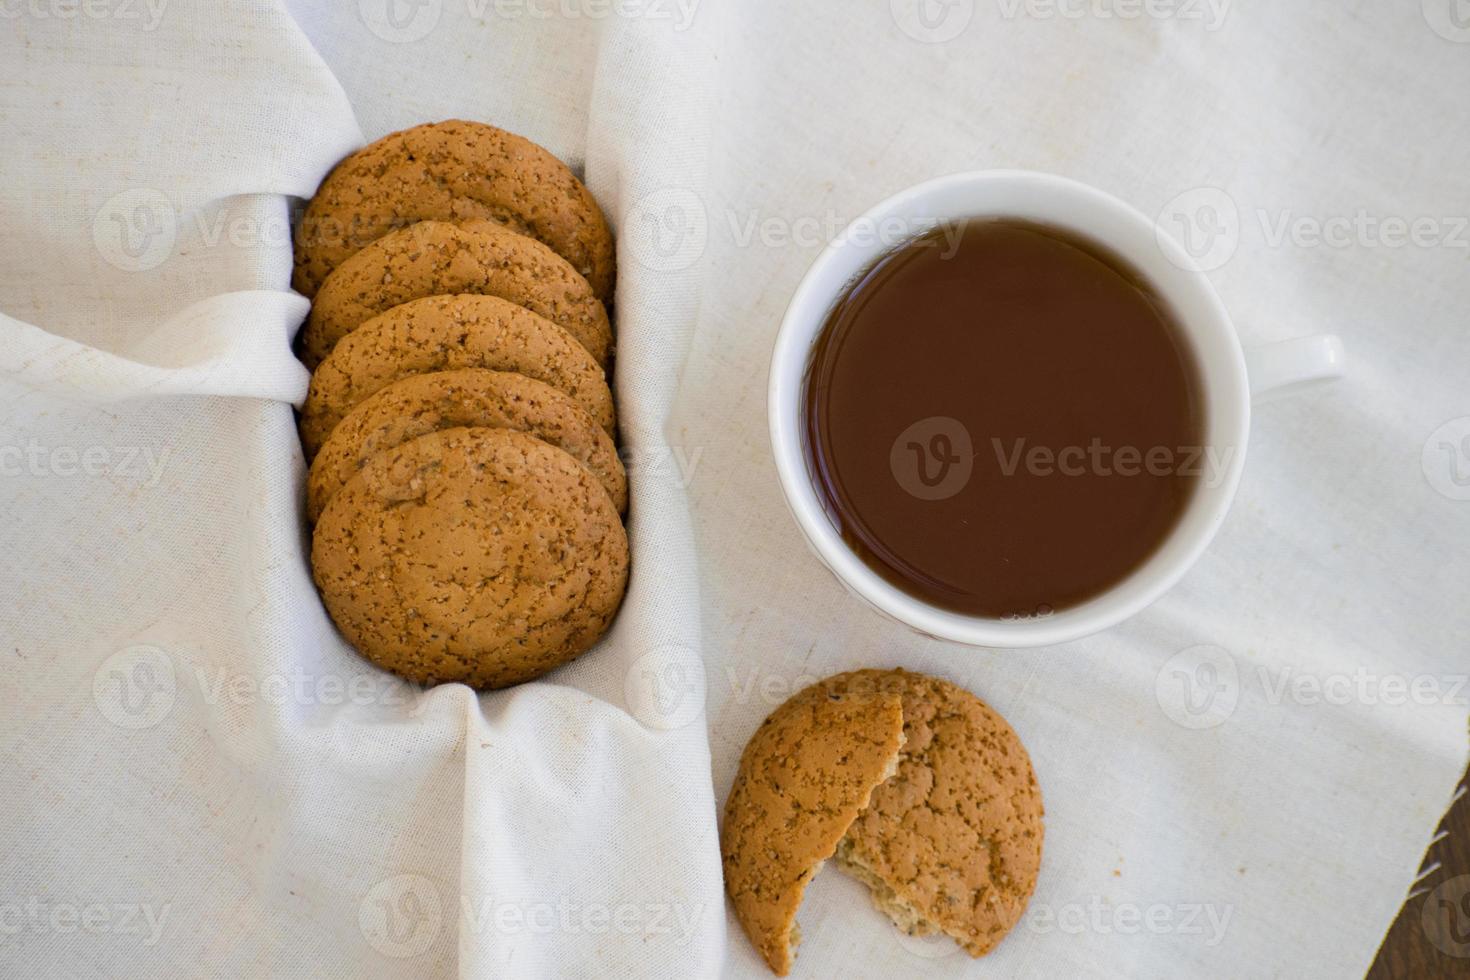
(198,778)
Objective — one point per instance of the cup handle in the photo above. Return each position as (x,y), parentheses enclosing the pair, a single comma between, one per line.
(1292,366)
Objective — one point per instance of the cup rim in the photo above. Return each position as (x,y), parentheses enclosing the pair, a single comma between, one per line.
(794,340)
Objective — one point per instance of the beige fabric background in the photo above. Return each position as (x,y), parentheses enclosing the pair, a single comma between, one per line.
(198,778)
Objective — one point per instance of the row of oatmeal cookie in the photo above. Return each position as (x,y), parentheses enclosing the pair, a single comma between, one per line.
(465,487)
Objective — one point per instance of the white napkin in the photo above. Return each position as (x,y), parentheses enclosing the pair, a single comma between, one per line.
(201,779)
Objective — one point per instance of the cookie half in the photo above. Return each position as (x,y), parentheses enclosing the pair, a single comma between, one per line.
(440,333)
(803,778)
(952,843)
(452,171)
(483,556)
(468,398)
(433,258)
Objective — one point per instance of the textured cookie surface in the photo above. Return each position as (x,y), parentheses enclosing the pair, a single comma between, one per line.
(483,556)
(440,333)
(433,258)
(452,171)
(952,843)
(468,398)
(804,776)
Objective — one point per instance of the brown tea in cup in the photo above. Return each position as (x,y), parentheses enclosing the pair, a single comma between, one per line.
(1003,419)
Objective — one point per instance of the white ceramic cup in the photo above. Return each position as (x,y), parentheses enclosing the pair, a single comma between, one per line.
(1230,379)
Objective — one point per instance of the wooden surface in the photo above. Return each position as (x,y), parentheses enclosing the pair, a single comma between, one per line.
(1431,937)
